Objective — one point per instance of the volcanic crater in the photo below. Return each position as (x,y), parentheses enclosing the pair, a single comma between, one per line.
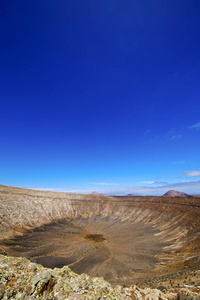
(125,240)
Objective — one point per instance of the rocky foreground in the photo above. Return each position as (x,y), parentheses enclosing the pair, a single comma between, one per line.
(22,279)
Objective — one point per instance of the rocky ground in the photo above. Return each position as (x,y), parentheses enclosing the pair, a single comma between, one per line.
(22,279)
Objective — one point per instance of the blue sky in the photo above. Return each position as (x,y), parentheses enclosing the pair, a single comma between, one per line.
(100,95)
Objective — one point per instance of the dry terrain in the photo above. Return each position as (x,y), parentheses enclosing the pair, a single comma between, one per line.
(148,241)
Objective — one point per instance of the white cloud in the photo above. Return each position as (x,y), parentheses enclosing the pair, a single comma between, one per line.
(195,126)
(192,173)
(154,182)
(104,183)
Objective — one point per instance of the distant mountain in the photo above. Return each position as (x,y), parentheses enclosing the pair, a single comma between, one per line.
(96,193)
(173,193)
(126,196)
(114,195)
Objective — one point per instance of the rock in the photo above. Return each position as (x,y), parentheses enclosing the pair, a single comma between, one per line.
(42,282)
(33,267)
(17,282)
(2,290)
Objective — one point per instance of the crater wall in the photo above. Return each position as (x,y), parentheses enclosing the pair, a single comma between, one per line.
(121,239)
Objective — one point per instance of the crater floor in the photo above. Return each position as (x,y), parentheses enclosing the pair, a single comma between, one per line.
(99,246)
